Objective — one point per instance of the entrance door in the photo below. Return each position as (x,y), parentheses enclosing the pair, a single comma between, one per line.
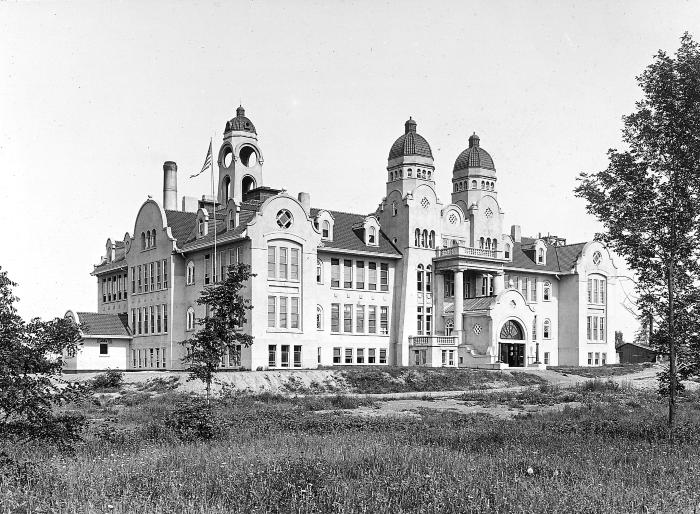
(513,354)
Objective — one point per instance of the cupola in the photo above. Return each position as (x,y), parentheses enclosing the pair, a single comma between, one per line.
(474,156)
(410,143)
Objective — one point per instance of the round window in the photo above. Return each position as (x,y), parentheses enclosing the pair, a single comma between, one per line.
(284,218)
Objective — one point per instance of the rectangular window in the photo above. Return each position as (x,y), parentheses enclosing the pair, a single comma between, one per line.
(524,283)
(336,355)
(335,273)
(133,279)
(153,320)
(165,319)
(595,328)
(145,320)
(360,319)
(451,361)
(271,311)
(419,325)
(590,290)
(372,276)
(158,276)
(163,354)
(157,357)
(595,291)
(449,279)
(347,273)
(207,268)
(165,273)
(533,291)
(104,348)
(372,319)
(272,355)
(222,266)
(347,318)
(603,358)
(589,327)
(140,276)
(133,358)
(297,356)
(159,320)
(371,357)
(295,313)
(283,311)
(294,265)
(140,321)
(602,329)
(597,358)
(150,355)
(384,276)
(360,355)
(444,357)
(419,279)
(428,321)
(284,354)
(335,317)
(428,280)
(283,263)
(145,278)
(384,320)
(546,357)
(348,356)
(104,290)
(382,356)
(271,263)
(590,358)
(603,285)
(360,278)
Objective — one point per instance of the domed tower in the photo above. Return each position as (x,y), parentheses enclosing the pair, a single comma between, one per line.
(410,161)
(240,159)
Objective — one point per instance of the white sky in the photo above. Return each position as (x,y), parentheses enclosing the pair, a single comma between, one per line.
(94,96)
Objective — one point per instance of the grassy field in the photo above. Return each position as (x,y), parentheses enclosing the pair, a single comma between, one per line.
(609,370)
(279,454)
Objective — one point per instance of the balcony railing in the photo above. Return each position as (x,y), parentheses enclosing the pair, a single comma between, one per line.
(432,340)
(466,251)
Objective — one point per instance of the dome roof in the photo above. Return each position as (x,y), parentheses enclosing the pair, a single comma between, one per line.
(411,143)
(474,157)
(240,122)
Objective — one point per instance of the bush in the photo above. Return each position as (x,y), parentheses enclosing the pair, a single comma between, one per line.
(110,379)
(193,420)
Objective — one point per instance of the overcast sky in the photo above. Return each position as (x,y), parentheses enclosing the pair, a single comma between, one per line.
(94,96)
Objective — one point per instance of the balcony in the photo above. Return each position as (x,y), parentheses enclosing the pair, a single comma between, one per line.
(466,251)
(432,341)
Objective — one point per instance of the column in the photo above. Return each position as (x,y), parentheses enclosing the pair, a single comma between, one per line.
(498,283)
(459,304)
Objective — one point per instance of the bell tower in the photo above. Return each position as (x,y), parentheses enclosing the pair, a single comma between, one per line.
(240,159)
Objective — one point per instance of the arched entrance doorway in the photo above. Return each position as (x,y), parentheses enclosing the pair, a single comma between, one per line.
(512,344)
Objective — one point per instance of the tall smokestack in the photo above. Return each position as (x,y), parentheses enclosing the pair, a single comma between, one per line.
(170,186)
(305,201)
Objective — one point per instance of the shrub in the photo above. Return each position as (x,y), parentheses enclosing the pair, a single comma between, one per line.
(193,420)
(110,379)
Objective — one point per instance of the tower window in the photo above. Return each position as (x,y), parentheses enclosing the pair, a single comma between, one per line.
(473,184)
(227,188)
(247,184)
(249,156)
(393,208)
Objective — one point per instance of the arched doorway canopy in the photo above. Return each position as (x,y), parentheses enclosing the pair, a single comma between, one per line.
(512,330)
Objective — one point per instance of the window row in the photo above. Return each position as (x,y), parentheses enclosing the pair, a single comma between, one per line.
(424,278)
(356,274)
(420,357)
(357,356)
(359,319)
(424,324)
(213,272)
(420,173)
(488,244)
(148,239)
(149,320)
(148,358)
(282,263)
(424,239)
(278,356)
(283,312)
(597,359)
(529,287)
(595,328)
(546,329)
(462,185)
(149,277)
(484,286)
(114,288)
(596,290)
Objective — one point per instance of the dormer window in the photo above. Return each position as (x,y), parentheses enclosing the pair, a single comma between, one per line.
(370,228)
(507,251)
(200,226)
(153,238)
(540,256)
(393,208)
(326,230)
(231,220)
(372,236)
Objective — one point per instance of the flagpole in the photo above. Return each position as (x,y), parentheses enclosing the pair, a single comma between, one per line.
(211,141)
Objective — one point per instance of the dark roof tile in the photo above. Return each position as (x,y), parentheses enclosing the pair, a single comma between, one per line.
(345,237)
(92,323)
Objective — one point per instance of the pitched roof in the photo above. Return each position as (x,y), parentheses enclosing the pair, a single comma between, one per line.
(92,323)
(473,304)
(346,237)
(559,259)
(181,225)
(248,210)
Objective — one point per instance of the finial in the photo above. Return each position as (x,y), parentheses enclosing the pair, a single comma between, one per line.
(240,111)
(410,125)
(473,140)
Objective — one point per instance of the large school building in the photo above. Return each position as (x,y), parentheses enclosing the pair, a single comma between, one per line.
(417,282)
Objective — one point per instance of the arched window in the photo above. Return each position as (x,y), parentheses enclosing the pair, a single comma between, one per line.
(372,237)
(190,318)
(148,239)
(143,240)
(428,279)
(424,239)
(511,330)
(200,226)
(534,328)
(227,188)
(454,187)
(319,317)
(231,220)
(494,245)
(540,256)
(190,273)
(400,173)
(481,243)
(319,271)
(449,326)
(410,172)
(488,243)
(431,239)
(429,174)
(420,277)
(482,184)
(153,237)
(417,237)
(546,291)
(391,176)
(507,251)
(492,186)
(547,329)
(393,209)
(325,230)
(473,184)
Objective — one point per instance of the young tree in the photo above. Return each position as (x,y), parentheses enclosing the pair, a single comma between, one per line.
(30,365)
(220,328)
(648,202)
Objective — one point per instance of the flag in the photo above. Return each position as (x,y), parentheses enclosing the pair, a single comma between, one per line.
(207,162)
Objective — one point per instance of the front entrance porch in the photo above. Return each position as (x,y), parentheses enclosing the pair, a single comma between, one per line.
(512,354)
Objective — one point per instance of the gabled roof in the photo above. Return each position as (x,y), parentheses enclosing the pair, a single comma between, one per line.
(94,324)
(346,237)
(559,259)
(181,225)
(248,210)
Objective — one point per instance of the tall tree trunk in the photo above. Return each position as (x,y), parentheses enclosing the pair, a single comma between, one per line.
(208,390)
(672,355)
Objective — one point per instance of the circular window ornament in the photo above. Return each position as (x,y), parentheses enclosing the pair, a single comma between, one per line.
(425,202)
(284,218)
(597,258)
(453,218)
(477,329)
(488,212)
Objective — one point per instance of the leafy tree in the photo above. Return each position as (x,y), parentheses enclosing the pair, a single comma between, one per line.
(648,202)
(618,338)
(220,332)
(30,365)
